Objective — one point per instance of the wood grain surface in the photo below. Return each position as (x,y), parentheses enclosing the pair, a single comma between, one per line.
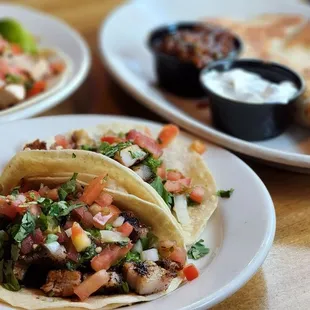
(283,282)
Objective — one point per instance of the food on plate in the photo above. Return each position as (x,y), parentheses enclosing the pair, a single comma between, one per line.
(166,162)
(65,237)
(245,86)
(25,69)
(199,45)
(285,40)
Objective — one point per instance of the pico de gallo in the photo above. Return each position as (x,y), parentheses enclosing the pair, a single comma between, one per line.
(142,153)
(24,70)
(72,241)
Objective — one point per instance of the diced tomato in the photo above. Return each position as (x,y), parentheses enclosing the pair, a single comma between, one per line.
(173,186)
(35,210)
(53,194)
(72,253)
(93,190)
(91,284)
(125,229)
(38,237)
(32,195)
(178,255)
(186,182)
(26,245)
(61,141)
(38,87)
(197,194)
(99,220)
(145,142)
(83,216)
(57,67)
(16,49)
(7,210)
(115,211)
(104,200)
(68,225)
(191,272)
(109,139)
(174,175)
(109,256)
(162,172)
(198,147)
(167,135)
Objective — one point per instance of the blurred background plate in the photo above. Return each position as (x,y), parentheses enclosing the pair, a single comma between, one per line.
(122,43)
(54,34)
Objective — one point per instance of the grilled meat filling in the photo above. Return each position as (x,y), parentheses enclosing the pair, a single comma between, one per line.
(36,145)
(139,229)
(20,269)
(147,277)
(61,283)
(169,265)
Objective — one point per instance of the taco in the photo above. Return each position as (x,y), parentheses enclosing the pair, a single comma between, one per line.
(69,241)
(170,164)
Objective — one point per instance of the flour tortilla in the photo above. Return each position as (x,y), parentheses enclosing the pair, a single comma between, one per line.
(282,38)
(177,155)
(34,166)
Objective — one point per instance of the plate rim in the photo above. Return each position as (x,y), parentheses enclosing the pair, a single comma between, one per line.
(189,123)
(71,83)
(257,260)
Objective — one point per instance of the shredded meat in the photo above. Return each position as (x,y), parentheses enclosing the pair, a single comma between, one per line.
(139,229)
(19,270)
(61,283)
(36,145)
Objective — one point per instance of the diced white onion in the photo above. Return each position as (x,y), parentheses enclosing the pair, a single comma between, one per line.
(68,232)
(180,208)
(112,236)
(53,247)
(138,247)
(21,198)
(118,222)
(151,254)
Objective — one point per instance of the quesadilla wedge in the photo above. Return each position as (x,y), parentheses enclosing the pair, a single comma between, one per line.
(165,162)
(68,240)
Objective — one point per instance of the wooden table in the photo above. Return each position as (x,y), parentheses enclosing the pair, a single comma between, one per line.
(284,280)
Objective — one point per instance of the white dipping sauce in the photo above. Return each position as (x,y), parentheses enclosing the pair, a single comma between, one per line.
(241,85)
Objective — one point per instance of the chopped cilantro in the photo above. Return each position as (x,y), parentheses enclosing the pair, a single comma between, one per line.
(15,191)
(73,155)
(198,250)
(152,163)
(3,238)
(86,147)
(27,226)
(149,241)
(225,193)
(158,185)
(125,287)
(110,150)
(51,238)
(13,79)
(191,203)
(94,232)
(123,243)
(121,135)
(47,222)
(10,281)
(133,257)
(88,254)
(108,227)
(72,265)
(67,188)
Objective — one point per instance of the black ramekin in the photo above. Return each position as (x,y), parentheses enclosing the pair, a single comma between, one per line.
(249,121)
(175,75)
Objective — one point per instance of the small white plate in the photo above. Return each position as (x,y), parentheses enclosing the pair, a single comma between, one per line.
(239,234)
(122,42)
(54,34)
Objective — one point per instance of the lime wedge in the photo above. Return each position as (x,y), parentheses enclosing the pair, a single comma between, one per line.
(13,32)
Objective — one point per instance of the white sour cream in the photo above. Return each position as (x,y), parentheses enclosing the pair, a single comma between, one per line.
(240,85)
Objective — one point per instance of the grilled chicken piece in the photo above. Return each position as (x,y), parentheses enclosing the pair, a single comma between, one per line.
(139,229)
(146,277)
(81,137)
(11,94)
(143,171)
(130,155)
(169,265)
(54,256)
(19,270)
(36,145)
(61,283)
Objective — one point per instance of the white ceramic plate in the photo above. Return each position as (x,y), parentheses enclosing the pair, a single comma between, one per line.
(122,42)
(54,34)
(239,234)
